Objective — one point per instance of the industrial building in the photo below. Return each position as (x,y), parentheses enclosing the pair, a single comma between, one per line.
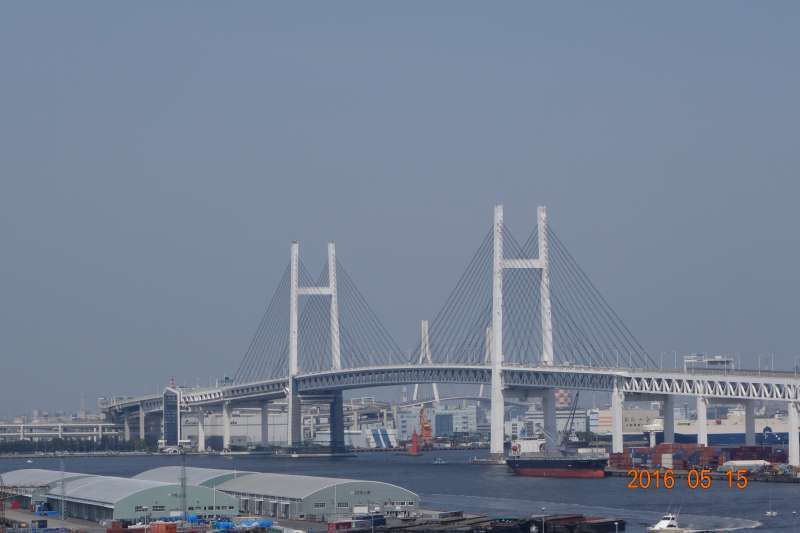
(202,477)
(96,498)
(296,497)
(448,420)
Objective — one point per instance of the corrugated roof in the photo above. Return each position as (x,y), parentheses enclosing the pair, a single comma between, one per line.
(37,476)
(194,475)
(288,485)
(104,490)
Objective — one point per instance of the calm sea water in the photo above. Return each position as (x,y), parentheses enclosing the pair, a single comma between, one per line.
(495,491)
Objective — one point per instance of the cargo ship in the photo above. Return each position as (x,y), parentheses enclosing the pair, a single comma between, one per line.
(534,457)
(528,458)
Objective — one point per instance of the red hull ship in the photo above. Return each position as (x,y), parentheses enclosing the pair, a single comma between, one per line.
(572,466)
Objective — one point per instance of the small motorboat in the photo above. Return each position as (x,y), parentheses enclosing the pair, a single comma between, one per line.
(439,461)
(668,522)
(29,461)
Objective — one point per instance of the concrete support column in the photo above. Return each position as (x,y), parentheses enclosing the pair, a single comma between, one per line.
(294,421)
(669,418)
(702,421)
(617,399)
(749,422)
(201,431)
(337,423)
(226,425)
(161,424)
(141,422)
(99,432)
(549,418)
(61,430)
(794,438)
(265,424)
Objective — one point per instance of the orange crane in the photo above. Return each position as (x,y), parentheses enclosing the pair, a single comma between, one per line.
(425,428)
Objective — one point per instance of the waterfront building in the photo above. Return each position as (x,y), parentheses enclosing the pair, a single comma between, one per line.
(407,423)
(296,497)
(531,422)
(96,498)
(448,420)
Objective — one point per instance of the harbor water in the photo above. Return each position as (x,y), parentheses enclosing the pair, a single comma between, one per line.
(453,484)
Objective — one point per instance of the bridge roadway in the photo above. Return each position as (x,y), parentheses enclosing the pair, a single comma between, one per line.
(36,430)
(635,384)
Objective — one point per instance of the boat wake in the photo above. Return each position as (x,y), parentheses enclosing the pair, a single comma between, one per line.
(636,520)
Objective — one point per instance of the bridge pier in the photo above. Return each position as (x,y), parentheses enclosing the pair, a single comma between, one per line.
(294,421)
(549,418)
(749,422)
(794,438)
(668,406)
(617,399)
(201,431)
(141,422)
(497,418)
(126,429)
(226,425)
(265,424)
(337,442)
(702,421)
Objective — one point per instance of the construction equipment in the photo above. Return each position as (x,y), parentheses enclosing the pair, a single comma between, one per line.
(425,428)
(570,422)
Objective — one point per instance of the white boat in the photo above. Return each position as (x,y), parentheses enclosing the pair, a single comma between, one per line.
(668,522)
(439,461)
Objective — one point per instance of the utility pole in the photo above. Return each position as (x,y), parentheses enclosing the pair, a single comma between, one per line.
(183,484)
(63,488)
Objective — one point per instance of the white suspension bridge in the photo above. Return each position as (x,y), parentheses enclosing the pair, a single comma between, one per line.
(523,319)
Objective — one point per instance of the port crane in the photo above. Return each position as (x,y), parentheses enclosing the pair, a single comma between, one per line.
(425,428)
(570,422)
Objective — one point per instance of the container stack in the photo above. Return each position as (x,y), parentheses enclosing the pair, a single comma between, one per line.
(163,527)
(619,461)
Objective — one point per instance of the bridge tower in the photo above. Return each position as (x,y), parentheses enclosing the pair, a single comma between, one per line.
(425,357)
(499,264)
(294,423)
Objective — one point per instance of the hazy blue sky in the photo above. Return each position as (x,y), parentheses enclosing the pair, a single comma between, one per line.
(156,159)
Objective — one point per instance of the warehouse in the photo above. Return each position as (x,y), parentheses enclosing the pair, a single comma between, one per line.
(297,497)
(202,477)
(35,484)
(97,498)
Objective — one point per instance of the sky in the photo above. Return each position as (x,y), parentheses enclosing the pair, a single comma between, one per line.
(156,160)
